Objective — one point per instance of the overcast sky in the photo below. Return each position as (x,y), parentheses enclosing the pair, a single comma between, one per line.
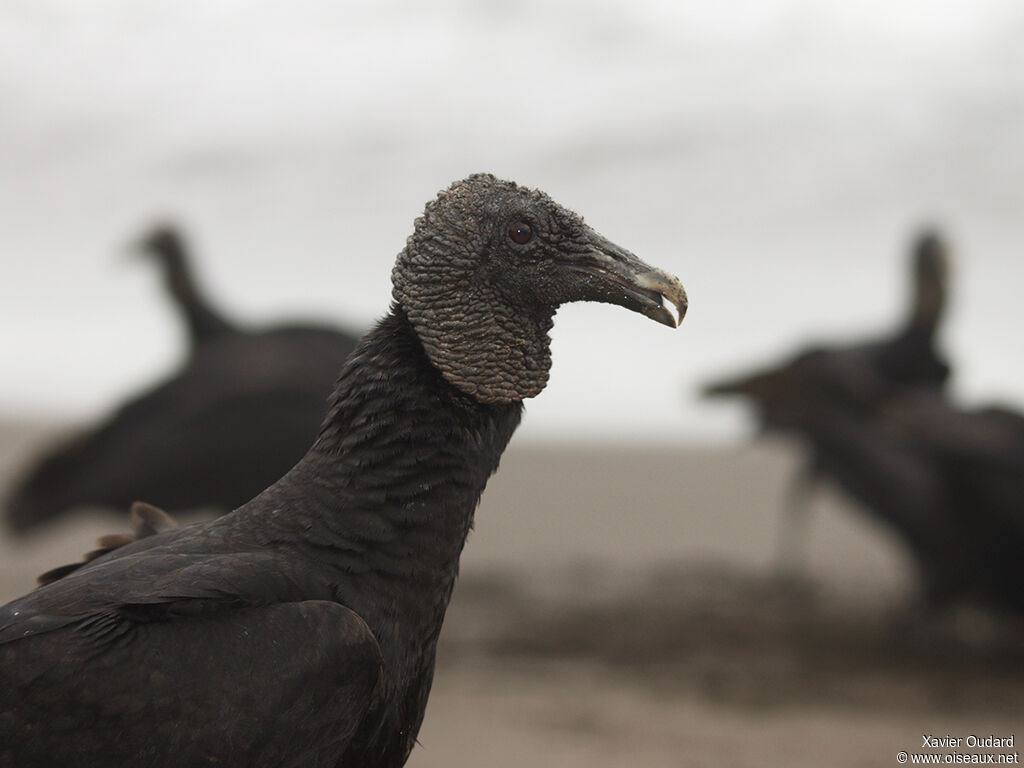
(775,155)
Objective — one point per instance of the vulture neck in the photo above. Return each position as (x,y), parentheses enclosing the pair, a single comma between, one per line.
(394,478)
(203,321)
(376,513)
(927,305)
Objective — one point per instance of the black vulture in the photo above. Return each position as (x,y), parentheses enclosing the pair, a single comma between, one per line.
(948,481)
(301,629)
(242,409)
(856,379)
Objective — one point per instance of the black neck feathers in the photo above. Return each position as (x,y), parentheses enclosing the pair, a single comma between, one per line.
(390,485)
(388,493)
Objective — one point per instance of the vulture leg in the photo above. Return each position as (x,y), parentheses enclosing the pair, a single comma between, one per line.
(793,540)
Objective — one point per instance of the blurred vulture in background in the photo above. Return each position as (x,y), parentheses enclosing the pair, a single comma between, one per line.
(242,409)
(822,392)
(972,503)
(949,482)
(875,420)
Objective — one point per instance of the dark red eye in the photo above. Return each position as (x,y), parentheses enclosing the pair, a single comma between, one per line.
(520,232)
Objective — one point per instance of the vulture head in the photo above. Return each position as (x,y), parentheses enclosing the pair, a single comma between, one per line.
(487,266)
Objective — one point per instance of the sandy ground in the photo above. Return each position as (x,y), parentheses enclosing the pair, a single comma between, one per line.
(620,606)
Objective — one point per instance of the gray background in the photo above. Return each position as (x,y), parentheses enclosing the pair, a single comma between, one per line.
(775,155)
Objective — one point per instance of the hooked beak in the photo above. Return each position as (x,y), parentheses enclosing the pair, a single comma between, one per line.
(763,385)
(137,250)
(614,275)
(133,250)
(728,387)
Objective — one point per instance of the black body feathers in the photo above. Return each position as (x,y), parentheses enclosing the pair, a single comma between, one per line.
(301,629)
(241,411)
(373,519)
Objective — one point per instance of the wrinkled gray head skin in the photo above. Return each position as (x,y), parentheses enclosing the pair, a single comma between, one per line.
(487,266)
